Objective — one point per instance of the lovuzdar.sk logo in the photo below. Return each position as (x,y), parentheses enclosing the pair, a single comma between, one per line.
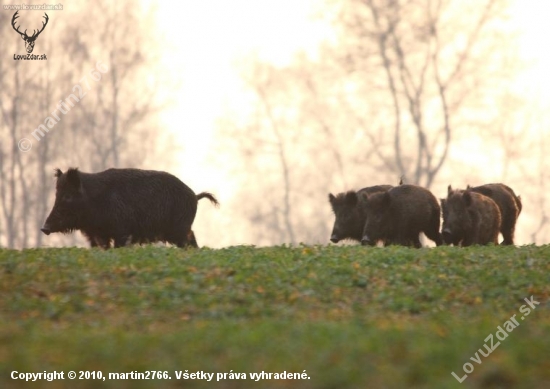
(29,40)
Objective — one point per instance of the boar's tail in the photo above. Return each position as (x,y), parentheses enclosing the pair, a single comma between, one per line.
(209,196)
(518,203)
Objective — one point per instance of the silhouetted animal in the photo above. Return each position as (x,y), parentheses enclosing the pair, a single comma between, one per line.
(124,205)
(400,215)
(350,213)
(509,205)
(469,218)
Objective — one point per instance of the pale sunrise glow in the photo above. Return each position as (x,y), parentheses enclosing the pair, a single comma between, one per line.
(205,42)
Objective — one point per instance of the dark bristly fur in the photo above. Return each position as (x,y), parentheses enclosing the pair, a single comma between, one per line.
(509,205)
(400,215)
(350,213)
(470,218)
(126,206)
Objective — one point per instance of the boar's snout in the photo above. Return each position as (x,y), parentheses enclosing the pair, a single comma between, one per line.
(334,238)
(46,230)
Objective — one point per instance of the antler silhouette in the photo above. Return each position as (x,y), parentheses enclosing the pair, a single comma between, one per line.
(29,40)
(35,35)
(15,16)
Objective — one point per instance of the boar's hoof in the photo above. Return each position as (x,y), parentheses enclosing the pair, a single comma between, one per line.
(45,230)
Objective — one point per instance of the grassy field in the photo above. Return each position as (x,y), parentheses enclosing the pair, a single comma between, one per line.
(350,316)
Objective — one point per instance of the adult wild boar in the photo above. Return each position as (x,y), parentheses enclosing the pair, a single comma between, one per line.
(124,205)
(350,213)
(400,215)
(469,218)
(509,205)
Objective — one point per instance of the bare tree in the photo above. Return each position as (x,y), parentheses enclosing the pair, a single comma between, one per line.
(285,168)
(385,100)
(111,125)
(430,64)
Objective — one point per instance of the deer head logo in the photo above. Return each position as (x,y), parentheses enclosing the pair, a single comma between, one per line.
(29,40)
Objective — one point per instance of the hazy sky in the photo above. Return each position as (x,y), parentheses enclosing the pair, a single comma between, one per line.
(203,42)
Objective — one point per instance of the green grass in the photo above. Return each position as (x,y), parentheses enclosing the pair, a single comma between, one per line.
(352,317)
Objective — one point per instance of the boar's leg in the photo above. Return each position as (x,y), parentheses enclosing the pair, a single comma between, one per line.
(97,241)
(509,218)
(432,230)
(475,237)
(411,241)
(90,238)
(470,238)
(387,242)
(103,242)
(188,241)
(406,240)
(507,231)
(407,237)
(92,241)
(123,240)
(435,236)
(191,240)
(181,241)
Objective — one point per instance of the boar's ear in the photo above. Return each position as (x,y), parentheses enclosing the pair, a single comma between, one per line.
(73,178)
(449,189)
(58,173)
(467,196)
(468,186)
(351,198)
(331,198)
